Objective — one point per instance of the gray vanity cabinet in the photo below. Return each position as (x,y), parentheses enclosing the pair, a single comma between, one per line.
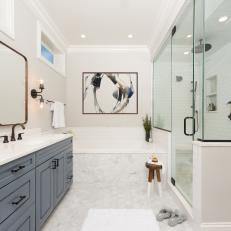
(69,168)
(32,186)
(51,178)
(25,221)
(17,195)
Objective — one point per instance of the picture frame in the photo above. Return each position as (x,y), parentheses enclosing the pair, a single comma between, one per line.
(110,93)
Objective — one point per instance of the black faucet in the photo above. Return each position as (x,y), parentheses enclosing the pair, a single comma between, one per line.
(5,139)
(12,138)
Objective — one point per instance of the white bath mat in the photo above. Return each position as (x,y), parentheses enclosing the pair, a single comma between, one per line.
(120,220)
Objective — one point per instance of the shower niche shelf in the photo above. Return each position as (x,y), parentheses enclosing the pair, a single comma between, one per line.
(211,94)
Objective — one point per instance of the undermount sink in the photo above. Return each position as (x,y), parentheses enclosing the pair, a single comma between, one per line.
(41,139)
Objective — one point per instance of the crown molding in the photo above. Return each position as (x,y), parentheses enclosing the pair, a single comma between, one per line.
(42,15)
(109,48)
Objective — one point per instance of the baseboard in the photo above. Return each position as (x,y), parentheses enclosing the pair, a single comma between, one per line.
(216,226)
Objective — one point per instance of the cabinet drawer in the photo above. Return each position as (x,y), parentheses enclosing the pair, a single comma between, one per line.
(47,153)
(11,171)
(17,195)
(22,221)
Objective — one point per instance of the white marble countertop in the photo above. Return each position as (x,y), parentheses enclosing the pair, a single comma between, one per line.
(17,149)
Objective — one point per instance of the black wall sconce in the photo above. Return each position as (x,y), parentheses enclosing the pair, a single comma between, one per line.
(229,103)
(34,93)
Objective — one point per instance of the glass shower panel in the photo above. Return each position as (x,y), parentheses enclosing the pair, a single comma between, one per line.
(198,69)
(183,103)
(162,88)
(217,69)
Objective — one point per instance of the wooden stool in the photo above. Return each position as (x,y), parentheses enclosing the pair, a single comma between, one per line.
(154,167)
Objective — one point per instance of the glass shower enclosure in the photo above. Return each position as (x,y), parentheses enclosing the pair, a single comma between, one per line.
(173,89)
(183,89)
(192,84)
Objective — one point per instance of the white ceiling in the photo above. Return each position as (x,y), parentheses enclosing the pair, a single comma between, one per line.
(106,22)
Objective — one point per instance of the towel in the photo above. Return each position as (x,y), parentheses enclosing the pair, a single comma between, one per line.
(58,120)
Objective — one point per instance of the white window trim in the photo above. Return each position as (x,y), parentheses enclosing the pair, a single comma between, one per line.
(7,25)
(40,30)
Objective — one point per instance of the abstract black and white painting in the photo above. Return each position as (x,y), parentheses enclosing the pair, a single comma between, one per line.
(110,93)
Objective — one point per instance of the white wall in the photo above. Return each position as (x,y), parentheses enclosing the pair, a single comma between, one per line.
(211,186)
(25,42)
(107,60)
(217,125)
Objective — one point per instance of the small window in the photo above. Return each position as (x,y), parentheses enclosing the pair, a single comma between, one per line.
(47,54)
(49,51)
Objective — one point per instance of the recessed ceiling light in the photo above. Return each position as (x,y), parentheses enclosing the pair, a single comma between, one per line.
(130,36)
(83,36)
(223,19)
(189,36)
(186,53)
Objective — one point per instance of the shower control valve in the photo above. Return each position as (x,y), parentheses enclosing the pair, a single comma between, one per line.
(229,116)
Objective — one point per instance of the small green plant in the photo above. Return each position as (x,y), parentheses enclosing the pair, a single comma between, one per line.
(147,123)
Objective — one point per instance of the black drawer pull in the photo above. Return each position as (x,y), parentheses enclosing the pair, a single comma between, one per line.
(21,198)
(55,163)
(18,168)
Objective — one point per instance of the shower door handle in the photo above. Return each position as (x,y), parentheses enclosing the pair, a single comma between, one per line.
(193,126)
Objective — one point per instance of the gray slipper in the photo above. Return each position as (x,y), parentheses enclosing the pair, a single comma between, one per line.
(176,218)
(164,214)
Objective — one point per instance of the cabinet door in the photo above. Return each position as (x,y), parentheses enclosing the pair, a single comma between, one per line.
(69,168)
(44,192)
(59,178)
(24,222)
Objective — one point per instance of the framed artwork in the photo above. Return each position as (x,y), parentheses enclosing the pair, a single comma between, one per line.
(110,93)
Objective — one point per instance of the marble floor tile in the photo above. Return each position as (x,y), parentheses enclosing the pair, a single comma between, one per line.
(73,209)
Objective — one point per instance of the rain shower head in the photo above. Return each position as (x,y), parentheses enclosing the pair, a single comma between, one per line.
(201,47)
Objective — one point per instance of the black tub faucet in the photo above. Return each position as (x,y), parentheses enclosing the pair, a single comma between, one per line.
(12,138)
